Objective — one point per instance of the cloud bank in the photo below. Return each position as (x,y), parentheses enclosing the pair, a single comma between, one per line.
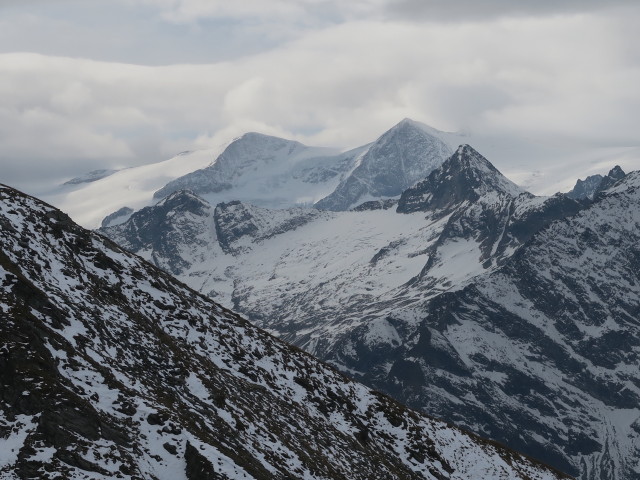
(559,71)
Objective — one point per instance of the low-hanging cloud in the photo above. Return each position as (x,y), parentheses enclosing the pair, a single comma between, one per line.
(573,76)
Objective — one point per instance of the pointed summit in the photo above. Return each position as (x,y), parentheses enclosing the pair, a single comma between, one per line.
(464,177)
(414,124)
(594,184)
(616,173)
(395,161)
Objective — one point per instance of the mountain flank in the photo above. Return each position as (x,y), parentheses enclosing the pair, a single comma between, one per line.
(507,314)
(111,368)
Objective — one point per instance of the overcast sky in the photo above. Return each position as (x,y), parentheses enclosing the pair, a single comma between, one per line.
(88,84)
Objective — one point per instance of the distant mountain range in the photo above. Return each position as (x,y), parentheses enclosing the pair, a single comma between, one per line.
(463,295)
(265,171)
(111,368)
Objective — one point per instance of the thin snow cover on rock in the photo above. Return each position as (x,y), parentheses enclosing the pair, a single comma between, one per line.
(404,297)
(110,368)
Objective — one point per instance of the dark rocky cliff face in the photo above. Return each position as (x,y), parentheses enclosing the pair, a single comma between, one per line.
(481,205)
(237,221)
(588,188)
(464,177)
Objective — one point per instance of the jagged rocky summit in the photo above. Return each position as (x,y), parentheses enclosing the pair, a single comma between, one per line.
(111,368)
(594,184)
(505,313)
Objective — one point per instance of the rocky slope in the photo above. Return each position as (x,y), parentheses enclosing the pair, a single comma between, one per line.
(445,303)
(110,368)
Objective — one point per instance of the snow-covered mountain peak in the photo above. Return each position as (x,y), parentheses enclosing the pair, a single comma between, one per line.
(257,138)
(267,171)
(253,147)
(249,154)
(263,170)
(399,158)
(410,123)
(407,129)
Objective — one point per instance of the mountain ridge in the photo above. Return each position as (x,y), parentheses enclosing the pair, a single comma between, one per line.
(377,293)
(594,184)
(112,368)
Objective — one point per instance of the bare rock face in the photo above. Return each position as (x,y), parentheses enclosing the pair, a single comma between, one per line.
(588,188)
(237,223)
(465,177)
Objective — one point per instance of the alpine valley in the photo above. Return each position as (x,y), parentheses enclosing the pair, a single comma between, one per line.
(433,278)
(410,264)
(111,368)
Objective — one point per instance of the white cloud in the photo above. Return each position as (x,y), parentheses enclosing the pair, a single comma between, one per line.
(569,76)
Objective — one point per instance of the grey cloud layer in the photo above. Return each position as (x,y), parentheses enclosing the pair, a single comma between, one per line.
(415,10)
(486,9)
(571,77)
